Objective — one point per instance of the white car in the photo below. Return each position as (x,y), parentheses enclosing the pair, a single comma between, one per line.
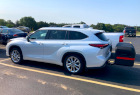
(75,49)
(76,26)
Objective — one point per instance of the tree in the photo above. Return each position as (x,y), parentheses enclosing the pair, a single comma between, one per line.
(118,27)
(93,26)
(109,28)
(42,24)
(9,23)
(2,22)
(17,23)
(28,22)
(82,22)
(100,26)
(52,24)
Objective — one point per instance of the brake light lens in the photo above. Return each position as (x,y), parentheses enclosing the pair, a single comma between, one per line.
(99,45)
(121,38)
(124,31)
(15,35)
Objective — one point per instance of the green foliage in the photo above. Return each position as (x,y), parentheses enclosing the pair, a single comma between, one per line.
(17,23)
(42,24)
(82,22)
(28,22)
(93,26)
(138,29)
(10,24)
(33,25)
(118,27)
(2,22)
(100,26)
(109,28)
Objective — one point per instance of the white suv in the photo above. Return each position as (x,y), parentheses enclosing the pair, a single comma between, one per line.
(75,49)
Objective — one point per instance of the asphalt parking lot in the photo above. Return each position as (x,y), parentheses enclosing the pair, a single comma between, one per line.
(35,78)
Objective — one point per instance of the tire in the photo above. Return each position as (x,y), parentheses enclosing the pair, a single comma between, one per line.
(74,67)
(16,55)
(134,35)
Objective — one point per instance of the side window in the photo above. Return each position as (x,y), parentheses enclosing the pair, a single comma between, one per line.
(40,34)
(76,26)
(73,35)
(57,34)
(4,31)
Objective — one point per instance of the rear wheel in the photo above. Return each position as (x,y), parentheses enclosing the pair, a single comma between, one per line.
(74,64)
(134,35)
(16,55)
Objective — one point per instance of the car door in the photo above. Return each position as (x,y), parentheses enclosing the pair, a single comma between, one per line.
(55,44)
(33,50)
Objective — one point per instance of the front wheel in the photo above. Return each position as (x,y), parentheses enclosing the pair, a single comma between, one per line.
(16,55)
(74,64)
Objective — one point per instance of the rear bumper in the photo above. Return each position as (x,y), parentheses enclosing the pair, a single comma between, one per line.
(97,59)
(130,33)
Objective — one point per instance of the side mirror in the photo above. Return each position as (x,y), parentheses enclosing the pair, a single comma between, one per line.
(28,38)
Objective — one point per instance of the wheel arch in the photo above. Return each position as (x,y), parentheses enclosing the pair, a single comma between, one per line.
(75,53)
(15,46)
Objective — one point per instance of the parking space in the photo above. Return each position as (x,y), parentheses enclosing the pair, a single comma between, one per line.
(36,78)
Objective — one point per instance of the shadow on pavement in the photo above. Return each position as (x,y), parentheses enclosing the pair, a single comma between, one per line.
(111,73)
(3,53)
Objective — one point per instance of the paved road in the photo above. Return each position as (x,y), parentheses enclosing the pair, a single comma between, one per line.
(35,78)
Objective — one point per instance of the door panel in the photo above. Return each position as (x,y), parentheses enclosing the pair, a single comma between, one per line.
(54,46)
(33,50)
(53,50)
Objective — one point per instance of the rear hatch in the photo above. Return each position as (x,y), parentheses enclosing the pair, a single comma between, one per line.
(107,45)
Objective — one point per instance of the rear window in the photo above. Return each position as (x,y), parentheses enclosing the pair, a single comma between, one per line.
(101,36)
(76,26)
(129,28)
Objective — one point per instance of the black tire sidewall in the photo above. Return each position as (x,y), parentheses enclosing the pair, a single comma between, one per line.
(81,61)
(21,57)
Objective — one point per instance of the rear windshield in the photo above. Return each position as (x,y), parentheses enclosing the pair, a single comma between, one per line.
(129,28)
(101,36)
(16,31)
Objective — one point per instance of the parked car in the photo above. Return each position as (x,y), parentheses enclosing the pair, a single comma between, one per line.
(73,48)
(76,26)
(9,33)
(3,27)
(25,29)
(129,31)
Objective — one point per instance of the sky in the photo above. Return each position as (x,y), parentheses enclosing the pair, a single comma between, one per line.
(73,11)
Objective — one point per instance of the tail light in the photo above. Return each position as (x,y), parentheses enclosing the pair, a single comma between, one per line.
(15,35)
(99,45)
(124,31)
(121,38)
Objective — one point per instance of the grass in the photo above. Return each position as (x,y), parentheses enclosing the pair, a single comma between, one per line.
(138,33)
